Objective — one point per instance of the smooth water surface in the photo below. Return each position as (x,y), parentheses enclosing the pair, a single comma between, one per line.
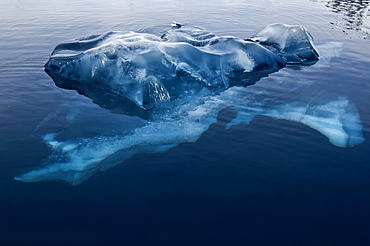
(269,182)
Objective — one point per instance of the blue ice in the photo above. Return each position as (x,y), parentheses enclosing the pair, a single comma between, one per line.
(150,70)
(183,79)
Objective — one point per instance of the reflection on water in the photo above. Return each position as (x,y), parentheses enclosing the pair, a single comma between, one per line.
(355,14)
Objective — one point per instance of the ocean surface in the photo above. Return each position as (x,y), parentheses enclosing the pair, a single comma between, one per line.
(270,182)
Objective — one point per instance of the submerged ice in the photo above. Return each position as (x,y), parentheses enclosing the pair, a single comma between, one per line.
(182,80)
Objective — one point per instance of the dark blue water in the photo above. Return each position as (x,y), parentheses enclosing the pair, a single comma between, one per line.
(271,182)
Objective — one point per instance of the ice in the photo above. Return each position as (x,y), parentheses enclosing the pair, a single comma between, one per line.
(295,43)
(187,76)
(151,70)
(337,119)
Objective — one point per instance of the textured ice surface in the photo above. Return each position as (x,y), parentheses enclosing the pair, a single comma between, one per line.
(76,159)
(151,70)
(294,43)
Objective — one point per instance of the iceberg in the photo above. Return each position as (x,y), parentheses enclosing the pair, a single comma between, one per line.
(178,83)
(150,71)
